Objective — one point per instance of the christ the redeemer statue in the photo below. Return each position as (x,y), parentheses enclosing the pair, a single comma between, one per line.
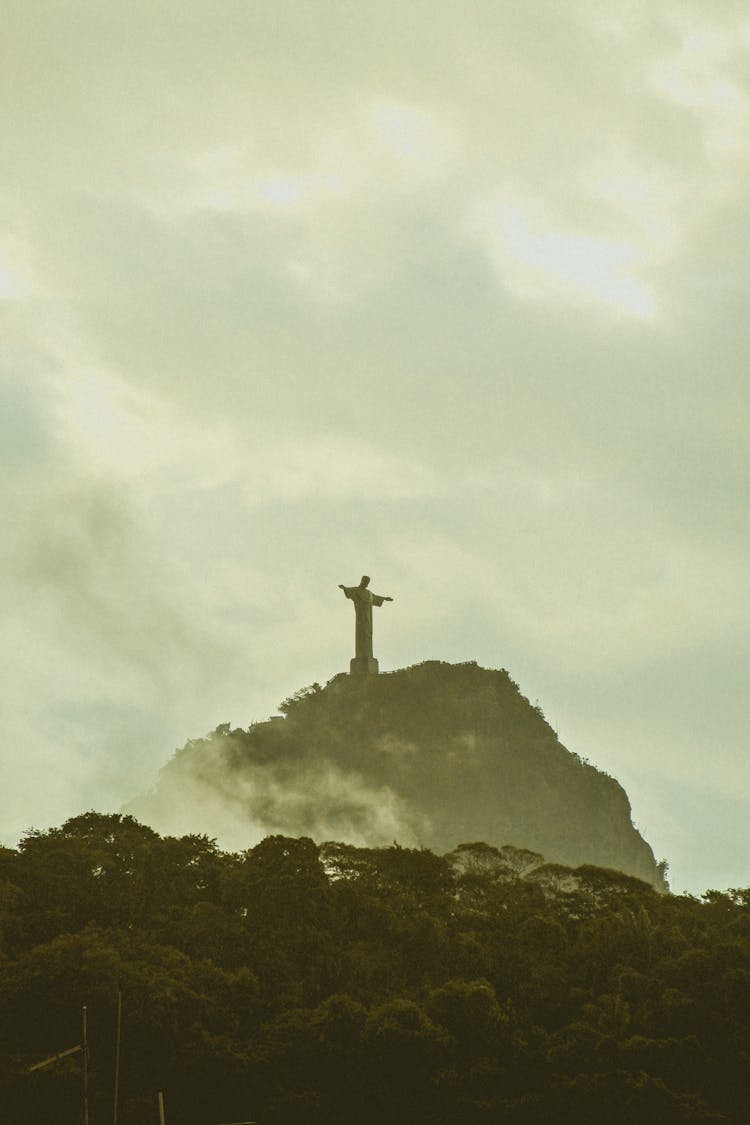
(364,600)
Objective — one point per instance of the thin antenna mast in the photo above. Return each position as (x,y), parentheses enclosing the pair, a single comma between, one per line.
(85,1049)
(117,1055)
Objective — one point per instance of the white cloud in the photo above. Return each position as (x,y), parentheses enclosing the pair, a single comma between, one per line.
(696,78)
(16,281)
(537,260)
(122,432)
(644,202)
(410,134)
(375,146)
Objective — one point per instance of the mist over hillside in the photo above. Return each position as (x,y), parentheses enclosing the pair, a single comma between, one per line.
(429,756)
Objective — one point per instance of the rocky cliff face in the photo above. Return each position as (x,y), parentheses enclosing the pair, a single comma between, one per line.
(434,755)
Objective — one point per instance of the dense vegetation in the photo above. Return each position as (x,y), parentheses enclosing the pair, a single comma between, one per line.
(429,755)
(301,985)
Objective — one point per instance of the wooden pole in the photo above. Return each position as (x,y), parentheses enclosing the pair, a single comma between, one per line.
(85,1049)
(117,1055)
(162,1115)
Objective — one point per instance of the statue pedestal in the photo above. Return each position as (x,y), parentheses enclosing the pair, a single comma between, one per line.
(363,666)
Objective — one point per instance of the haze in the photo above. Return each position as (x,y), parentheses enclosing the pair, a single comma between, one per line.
(454,296)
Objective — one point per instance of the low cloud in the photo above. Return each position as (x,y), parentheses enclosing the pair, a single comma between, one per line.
(297,798)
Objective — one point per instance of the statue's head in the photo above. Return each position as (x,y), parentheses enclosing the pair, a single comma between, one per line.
(364,580)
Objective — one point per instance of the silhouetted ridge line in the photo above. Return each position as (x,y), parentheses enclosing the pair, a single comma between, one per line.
(430,756)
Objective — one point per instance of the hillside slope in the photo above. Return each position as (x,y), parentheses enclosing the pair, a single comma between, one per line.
(433,755)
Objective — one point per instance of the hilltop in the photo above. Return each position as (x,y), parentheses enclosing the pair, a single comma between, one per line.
(431,756)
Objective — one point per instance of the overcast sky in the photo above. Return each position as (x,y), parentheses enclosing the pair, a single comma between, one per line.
(451,294)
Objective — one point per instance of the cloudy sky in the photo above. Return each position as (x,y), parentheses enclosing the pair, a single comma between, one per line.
(452,294)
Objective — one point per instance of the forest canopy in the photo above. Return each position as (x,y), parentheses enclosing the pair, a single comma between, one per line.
(294,983)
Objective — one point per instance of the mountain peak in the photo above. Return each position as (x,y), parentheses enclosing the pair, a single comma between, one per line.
(432,755)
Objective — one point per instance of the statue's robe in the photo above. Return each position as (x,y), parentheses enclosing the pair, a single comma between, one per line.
(364,600)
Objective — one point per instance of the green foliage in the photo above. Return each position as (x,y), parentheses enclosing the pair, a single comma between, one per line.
(325,985)
(460,750)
